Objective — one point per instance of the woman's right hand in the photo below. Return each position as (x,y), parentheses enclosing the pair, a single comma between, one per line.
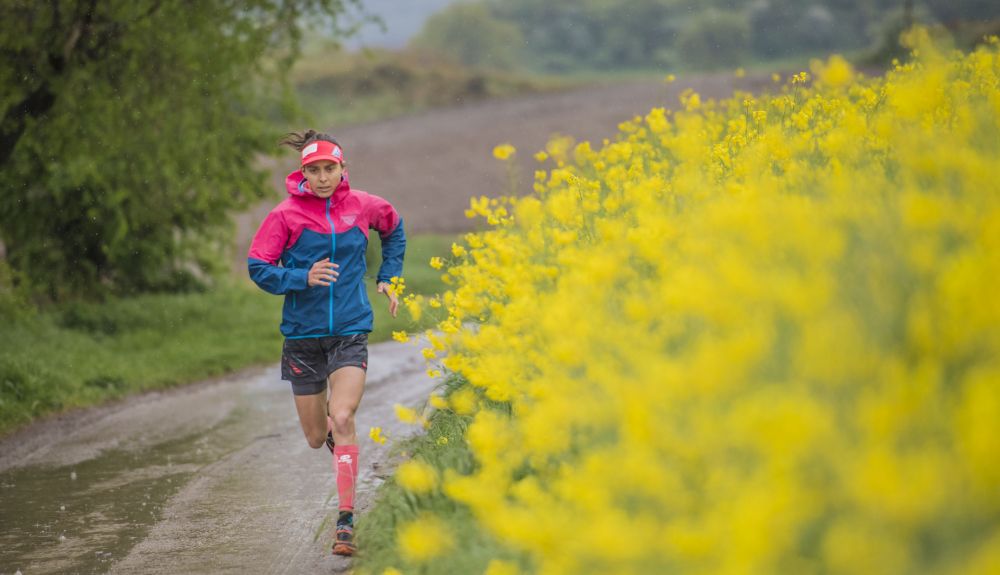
(323,273)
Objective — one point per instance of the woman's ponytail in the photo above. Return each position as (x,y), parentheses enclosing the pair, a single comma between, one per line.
(299,140)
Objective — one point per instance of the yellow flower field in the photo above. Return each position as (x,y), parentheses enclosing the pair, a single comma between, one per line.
(753,336)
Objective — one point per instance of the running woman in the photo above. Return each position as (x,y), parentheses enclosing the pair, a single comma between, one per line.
(311,249)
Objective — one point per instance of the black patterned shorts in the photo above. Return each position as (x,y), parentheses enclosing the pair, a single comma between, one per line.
(308,362)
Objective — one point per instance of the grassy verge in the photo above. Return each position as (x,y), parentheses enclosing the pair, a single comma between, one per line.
(86,353)
(444,448)
(783,65)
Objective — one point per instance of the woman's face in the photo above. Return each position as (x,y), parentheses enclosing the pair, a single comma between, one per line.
(323,177)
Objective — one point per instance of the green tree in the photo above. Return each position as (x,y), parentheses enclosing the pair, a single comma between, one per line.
(714,38)
(473,35)
(129,131)
(601,34)
(951,11)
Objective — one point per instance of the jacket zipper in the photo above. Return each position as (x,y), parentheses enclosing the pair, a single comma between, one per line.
(333,251)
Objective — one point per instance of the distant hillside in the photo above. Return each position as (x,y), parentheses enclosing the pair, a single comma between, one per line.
(403,20)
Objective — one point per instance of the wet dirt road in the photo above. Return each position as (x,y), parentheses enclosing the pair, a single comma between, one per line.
(212,478)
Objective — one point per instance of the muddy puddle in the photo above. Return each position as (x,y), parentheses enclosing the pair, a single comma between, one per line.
(81,518)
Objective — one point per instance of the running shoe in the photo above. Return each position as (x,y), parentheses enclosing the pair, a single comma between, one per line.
(343,543)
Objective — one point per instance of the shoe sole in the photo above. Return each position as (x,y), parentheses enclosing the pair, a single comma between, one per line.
(343,549)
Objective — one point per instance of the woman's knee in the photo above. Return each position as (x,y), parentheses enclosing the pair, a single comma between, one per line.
(316,440)
(343,420)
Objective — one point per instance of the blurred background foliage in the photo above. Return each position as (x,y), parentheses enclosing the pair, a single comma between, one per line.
(566,35)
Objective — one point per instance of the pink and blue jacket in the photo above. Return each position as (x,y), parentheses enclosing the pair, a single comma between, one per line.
(304,229)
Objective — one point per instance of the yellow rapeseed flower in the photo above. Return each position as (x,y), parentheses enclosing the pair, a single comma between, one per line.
(406,414)
(503,151)
(692,102)
(424,539)
(463,401)
(834,73)
(417,476)
(414,307)
(497,567)
(397,285)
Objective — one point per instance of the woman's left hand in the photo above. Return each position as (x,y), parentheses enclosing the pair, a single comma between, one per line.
(384,287)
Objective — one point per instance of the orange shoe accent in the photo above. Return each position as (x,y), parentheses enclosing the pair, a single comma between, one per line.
(344,548)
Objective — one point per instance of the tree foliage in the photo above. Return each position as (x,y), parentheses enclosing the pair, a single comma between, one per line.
(130,131)
(473,35)
(564,35)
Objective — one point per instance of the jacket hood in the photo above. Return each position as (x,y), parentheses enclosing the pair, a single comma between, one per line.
(297,185)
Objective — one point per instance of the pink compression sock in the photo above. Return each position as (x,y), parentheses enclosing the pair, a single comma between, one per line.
(345,463)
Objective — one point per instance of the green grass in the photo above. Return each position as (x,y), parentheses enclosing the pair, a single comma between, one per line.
(86,353)
(784,65)
(419,276)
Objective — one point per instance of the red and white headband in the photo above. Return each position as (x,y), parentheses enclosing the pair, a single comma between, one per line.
(322,150)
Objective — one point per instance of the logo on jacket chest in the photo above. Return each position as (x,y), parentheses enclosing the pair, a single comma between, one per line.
(349,219)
